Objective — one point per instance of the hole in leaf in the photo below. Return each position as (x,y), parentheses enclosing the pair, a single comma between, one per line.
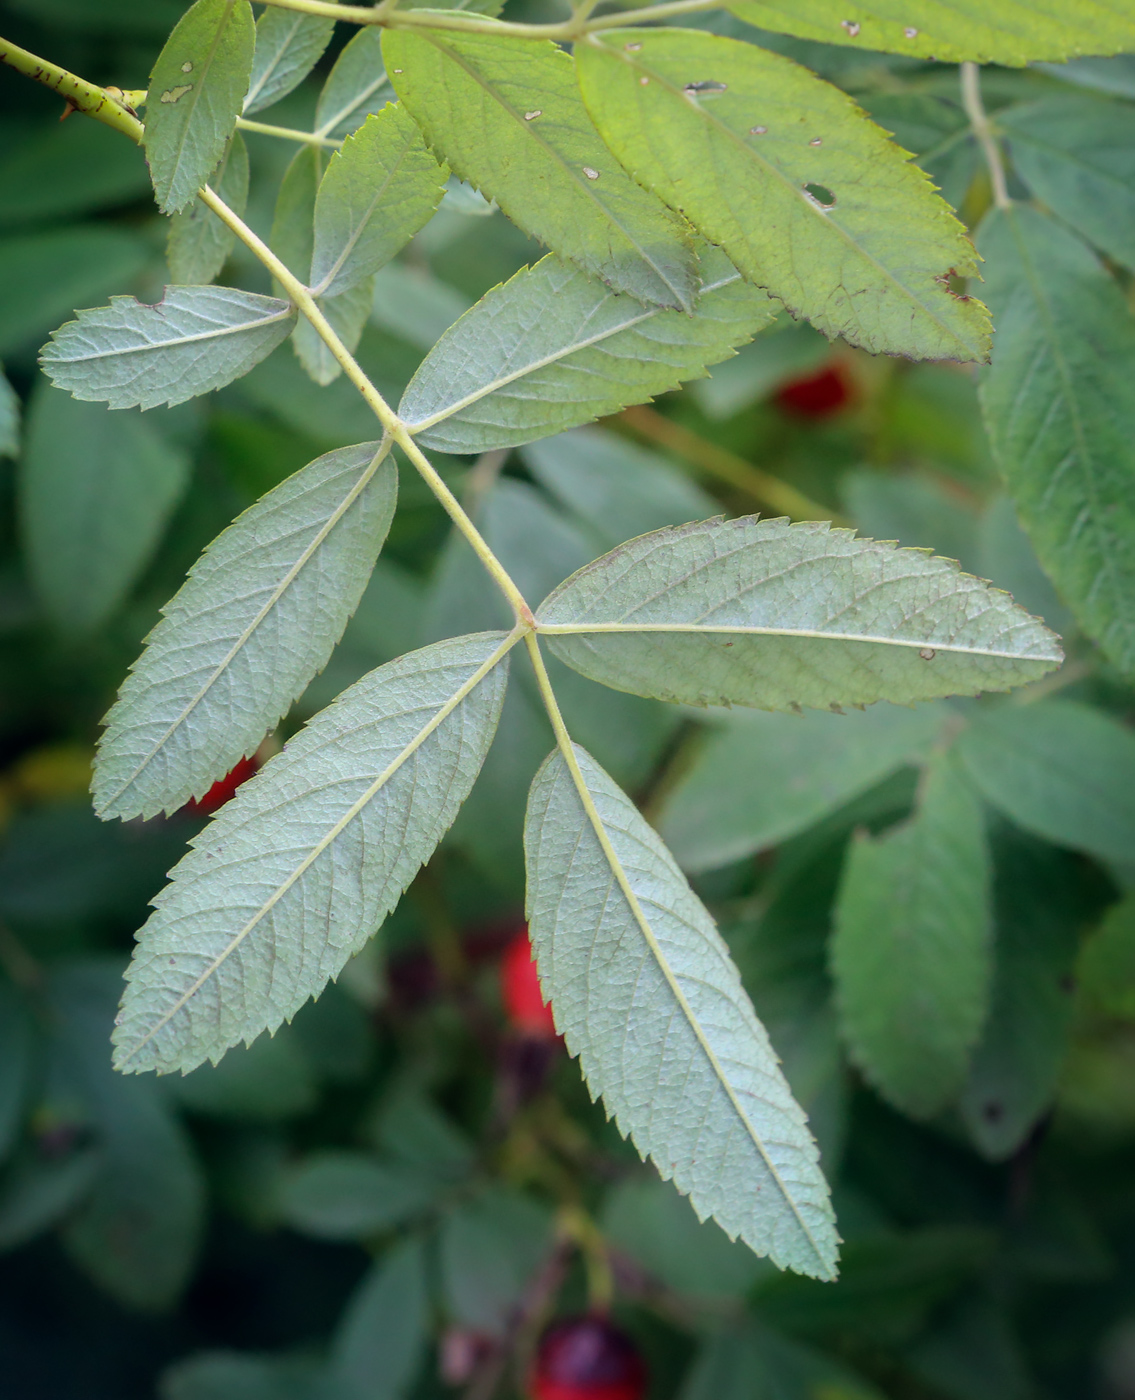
(701,89)
(821,195)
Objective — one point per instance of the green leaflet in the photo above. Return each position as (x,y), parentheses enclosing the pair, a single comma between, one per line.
(761,778)
(1105,969)
(1043,899)
(255,620)
(506,114)
(342,1195)
(1058,407)
(379,190)
(96,492)
(937,130)
(646,995)
(553,348)
(1077,154)
(9,419)
(198,242)
(288,46)
(491,1246)
(778,616)
(297,872)
(782,170)
(137,1230)
(196,339)
(381,1340)
(1061,770)
(355,87)
(1010,31)
(195,96)
(911,947)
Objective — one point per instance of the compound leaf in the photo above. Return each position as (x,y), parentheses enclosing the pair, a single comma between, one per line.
(96,492)
(1058,407)
(1077,154)
(355,87)
(300,868)
(778,616)
(553,348)
(255,620)
(911,948)
(379,190)
(288,46)
(809,765)
(507,116)
(1060,769)
(807,196)
(198,242)
(646,995)
(195,96)
(195,339)
(1011,32)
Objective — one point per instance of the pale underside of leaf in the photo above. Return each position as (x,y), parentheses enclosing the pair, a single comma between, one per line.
(507,116)
(195,95)
(1011,31)
(355,87)
(302,866)
(779,616)
(378,191)
(199,242)
(808,197)
(554,348)
(194,340)
(256,619)
(647,997)
(288,46)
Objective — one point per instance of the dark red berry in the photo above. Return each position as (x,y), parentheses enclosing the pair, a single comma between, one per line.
(587,1358)
(520,989)
(816,395)
(222,789)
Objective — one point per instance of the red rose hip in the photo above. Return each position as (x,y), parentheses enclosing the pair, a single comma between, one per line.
(587,1358)
(520,990)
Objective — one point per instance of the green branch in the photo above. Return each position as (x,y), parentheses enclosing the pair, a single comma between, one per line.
(88,98)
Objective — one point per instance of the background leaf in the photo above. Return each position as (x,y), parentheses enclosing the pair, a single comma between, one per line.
(353,1196)
(491,1247)
(199,243)
(554,348)
(288,46)
(1059,416)
(355,87)
(645,994)
(317,850)
(195,96)
(759,779)
(1061,770)
(255,620)
(9,419)
(380,1344)
(831,620)
(379,190)
(1015,32)
(911,947)
(96,493)
(506,114)
(715,127)
(196,339)
(1076,154)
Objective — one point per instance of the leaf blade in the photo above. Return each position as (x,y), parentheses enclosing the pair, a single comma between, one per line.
(1013,32)
(1060,418)
(198,242)
(378,191)
(532,148)
(778,616)
(553,348)
(588,849)
(261,913)
(288,46)
(195,95)
(130,355)
(808,206)
(911,951)
(228,659)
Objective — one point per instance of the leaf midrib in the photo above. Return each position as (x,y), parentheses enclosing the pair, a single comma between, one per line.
(152,347)
(273,67)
